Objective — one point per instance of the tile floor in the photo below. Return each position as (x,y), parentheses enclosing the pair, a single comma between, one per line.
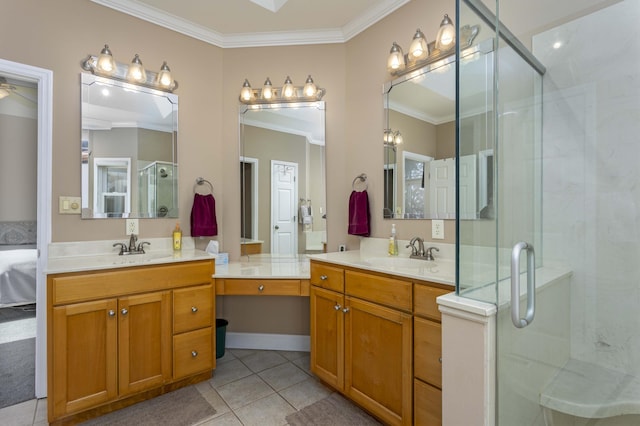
(249,387)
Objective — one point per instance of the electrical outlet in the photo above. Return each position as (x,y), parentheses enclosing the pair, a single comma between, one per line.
(132,226)
(342,247)
(437,229)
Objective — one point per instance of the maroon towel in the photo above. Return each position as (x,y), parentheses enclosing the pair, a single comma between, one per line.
(359,216)
(203,216)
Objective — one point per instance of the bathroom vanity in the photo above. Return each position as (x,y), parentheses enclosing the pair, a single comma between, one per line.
(375,333)
(123,329)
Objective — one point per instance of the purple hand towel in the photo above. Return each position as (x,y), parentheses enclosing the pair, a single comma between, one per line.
(359,216)
(203,216)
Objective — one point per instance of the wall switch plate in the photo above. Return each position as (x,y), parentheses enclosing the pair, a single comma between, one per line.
(69,205)
(437,229)
(132,226)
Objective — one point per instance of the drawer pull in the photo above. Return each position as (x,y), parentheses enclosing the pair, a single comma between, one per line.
(323,277)
(194,309)
(345,310)
(337,307)
(124,311)
(194,353)
(112,313)
(440,359)
(261,287)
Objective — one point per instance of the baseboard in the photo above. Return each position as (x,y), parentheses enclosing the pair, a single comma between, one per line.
(276,342)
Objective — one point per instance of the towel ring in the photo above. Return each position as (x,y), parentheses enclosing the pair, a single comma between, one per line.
(362,178)
(202,181)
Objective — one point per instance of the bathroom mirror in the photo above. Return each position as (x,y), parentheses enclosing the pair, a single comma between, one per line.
(282,178)
(129,150)
(419,149)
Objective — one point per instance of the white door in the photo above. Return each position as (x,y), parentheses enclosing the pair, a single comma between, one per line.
(284,191)
(442,186)
(467,187)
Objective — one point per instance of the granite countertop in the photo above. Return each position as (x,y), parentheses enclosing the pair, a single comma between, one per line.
(96,255)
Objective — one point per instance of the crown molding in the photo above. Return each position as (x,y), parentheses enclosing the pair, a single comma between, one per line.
(258,39)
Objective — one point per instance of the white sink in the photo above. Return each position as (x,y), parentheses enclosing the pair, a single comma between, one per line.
(399,262)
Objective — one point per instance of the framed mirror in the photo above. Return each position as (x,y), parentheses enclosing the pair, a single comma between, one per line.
(282,178)
(129,150)
(419,149)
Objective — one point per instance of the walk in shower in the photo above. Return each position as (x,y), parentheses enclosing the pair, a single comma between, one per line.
(554,123)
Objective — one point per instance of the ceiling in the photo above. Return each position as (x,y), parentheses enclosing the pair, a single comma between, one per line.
(253,23)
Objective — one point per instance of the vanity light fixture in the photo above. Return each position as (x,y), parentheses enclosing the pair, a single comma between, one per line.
(391,137)
(287,93)
(422,53)
(104,65)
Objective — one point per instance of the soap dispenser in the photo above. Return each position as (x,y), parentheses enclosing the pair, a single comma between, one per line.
(393,241)
(177,238)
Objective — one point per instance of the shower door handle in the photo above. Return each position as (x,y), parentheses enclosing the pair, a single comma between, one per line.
(515,285)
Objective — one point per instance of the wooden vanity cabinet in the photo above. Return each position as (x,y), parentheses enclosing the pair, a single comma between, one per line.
(361,339)
(112,335)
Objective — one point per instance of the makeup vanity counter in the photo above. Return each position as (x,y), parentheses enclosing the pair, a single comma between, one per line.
(122,329)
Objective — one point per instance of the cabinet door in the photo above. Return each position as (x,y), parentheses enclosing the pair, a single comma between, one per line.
(144,341)
(84,360)
(427,404)
(378,362)
(327,336)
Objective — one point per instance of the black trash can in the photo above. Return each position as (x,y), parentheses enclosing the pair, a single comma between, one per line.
(221,333)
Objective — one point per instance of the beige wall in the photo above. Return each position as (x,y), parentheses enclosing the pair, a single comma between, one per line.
(60,34)
(18,168)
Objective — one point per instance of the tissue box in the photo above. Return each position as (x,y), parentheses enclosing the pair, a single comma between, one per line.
(222,258)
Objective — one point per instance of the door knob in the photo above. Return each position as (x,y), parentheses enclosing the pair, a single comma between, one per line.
(277,227)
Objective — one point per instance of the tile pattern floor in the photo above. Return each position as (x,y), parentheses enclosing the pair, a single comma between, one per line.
(249,387)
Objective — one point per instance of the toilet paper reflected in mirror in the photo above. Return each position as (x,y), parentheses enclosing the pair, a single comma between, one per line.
(212,247)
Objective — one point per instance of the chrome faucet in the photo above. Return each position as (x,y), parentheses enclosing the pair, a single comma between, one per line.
(419,252)
(132,248)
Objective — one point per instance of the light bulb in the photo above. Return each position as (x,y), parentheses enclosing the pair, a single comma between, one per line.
(267,89)
(164,76)
(106,63)
(446,34)
(397,138)
(309,87)
(136,71)
(396,59)
(3,93)
(288,91)
(418,49)
(246,93)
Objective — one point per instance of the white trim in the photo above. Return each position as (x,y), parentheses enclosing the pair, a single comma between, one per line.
(44,80)
(258,39)
(275,342)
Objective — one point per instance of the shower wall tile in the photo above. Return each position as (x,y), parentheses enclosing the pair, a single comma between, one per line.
(591,178)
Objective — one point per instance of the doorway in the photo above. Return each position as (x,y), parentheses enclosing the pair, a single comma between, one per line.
(42,80)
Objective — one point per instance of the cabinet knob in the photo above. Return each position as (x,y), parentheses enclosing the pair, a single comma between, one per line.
(261,287)
(124,311)
(440,360)
(323,277)
(345,310)
(112,313)
(194,309)
(337,307)
(194,353)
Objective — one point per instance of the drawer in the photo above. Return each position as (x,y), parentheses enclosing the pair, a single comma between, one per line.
(427,404)
(329,277)
(427,351)
(75,287)
(192,308)
(386,291)
(257,287)
(425,300)
(192,352)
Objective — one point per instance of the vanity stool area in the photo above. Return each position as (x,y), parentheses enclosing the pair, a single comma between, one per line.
(123,329)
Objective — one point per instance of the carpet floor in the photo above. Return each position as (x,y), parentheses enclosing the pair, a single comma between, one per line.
(333,410)
(182,407)
(17,371)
